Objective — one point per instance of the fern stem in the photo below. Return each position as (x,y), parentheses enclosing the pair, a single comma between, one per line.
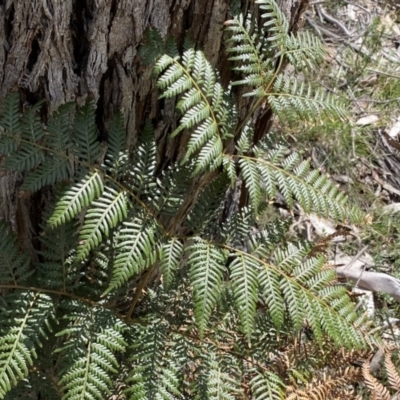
(182,212)
(139,292)
(248,115)
(60,293)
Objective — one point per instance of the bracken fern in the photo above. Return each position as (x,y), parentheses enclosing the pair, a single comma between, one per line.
(141,285)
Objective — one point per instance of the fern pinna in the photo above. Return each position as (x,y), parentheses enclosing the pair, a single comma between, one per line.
(141,286)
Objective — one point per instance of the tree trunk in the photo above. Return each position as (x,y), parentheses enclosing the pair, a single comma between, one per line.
(72,50)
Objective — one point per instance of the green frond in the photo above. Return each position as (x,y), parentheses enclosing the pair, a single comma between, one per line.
(25,159)
(229,169)
(93,339)
(86,143)
(245,142)
(28,155)
(59,128)
(170,255)
(305,51)
(252,179)
(31,127)
(213,382)
(202,104)
(304,286)
(105,214)
(26,317)
(8,144)
(49,172)
(294,180)
(116,160)
(81,194)
(37,384)
(10,114)
(142,172)
(207,264)
(292,99)
(243,277)
(276,24)
(136,249)
(266,386)
(56,268)
(236,230)
(175,183)
(269,281)
(152,48)
(205,215)
(14,263)
(154,374)
(252,52)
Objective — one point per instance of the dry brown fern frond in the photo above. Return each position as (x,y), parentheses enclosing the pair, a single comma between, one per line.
(392,373)
(378,391)
(331,385)
(300,360)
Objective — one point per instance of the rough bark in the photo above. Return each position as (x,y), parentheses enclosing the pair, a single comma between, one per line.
(72,50)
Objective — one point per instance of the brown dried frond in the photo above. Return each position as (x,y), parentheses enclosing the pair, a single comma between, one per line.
(331,385)
(379,392)
(392,373)
(310,356)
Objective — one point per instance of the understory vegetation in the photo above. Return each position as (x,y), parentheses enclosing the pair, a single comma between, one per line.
(144,282)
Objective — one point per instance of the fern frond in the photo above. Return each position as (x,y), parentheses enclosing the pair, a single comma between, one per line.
(207,264)
(252,179)
(270,290)
(205,214)
(37,384)
(236,230)
(276,23)
(213,380)
(29,154)
(59,128)
(116,160)
(267,386)
(25,159)
(171,253)
(243,277)
(292,99)
(379,391)
(10,114)
(203,105)
(86,144)
(94,337)
(136,249)
(154,374)
(305,51)
(153,47)
(14,263)
(392,372)
(105,214)
(26,316)
(229,169)
(175,183)
(251,50)
(314,192)
(56,268)
(76,197)
(49,172)
(31,128)
(142,173)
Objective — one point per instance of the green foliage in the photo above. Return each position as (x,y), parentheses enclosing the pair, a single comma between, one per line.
(156,290)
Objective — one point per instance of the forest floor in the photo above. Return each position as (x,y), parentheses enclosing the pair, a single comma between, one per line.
(362,153)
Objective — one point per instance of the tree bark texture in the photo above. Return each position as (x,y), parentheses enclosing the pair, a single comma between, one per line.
(73,50)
